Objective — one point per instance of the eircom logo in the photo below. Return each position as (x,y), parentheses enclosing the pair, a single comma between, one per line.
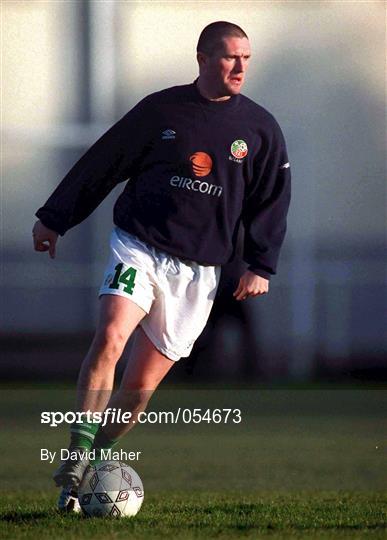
(239,149)
(201,163)
(196,185)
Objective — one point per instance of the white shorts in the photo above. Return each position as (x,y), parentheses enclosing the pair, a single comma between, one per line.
(176,294)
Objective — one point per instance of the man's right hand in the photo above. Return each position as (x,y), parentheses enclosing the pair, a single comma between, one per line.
(44,238)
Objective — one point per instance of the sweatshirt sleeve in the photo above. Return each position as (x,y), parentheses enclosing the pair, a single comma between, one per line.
(266,206)
(112,159)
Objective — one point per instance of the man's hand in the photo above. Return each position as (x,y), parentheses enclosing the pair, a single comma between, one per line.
(44,238)
(251,285)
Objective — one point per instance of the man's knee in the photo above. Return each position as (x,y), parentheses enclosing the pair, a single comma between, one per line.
(110,342)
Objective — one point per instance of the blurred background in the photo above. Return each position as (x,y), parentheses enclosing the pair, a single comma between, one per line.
(70,69)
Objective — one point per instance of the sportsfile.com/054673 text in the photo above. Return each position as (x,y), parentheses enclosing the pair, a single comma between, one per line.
(113,415)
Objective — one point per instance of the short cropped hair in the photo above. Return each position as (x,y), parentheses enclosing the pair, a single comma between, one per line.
(211,36)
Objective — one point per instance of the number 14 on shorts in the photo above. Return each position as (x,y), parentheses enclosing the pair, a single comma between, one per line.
(125,278)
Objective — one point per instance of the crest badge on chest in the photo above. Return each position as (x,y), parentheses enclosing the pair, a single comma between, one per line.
(239,150)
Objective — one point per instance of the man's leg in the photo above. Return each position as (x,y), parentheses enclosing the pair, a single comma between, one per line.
(145,370)
(118,317)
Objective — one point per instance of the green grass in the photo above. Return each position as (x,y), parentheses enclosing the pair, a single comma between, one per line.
(301,464)
(208,515)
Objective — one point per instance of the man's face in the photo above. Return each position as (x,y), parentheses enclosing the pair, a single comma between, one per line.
(225,70)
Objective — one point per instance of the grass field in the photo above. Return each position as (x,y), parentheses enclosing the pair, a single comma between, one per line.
(302,463)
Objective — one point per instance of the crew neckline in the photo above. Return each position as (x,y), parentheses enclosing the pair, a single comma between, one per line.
(230,103)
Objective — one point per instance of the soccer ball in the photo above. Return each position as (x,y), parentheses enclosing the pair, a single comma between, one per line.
(110,488)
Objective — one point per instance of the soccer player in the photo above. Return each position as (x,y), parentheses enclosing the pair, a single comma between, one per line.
(200,158)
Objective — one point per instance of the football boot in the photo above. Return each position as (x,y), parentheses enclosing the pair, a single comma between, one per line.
(70,471)
(68,501)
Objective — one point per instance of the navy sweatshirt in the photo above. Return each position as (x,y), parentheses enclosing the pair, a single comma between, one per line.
(196,168)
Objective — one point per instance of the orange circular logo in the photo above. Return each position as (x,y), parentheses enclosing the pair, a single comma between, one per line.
(201,163)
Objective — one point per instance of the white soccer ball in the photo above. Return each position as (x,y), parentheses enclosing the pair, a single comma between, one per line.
(110,488)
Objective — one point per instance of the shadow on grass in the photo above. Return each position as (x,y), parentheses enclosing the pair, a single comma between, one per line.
(31,516)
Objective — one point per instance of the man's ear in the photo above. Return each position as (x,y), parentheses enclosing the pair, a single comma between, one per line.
(202,59)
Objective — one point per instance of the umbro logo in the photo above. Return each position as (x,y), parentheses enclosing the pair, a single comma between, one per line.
(285,166)
(168,134)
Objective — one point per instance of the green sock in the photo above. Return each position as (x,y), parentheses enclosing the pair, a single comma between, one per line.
(101,441)
(83,434)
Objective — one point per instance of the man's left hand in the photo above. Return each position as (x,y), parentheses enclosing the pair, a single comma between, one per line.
(251,285)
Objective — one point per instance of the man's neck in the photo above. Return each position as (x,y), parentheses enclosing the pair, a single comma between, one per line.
(206,93)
